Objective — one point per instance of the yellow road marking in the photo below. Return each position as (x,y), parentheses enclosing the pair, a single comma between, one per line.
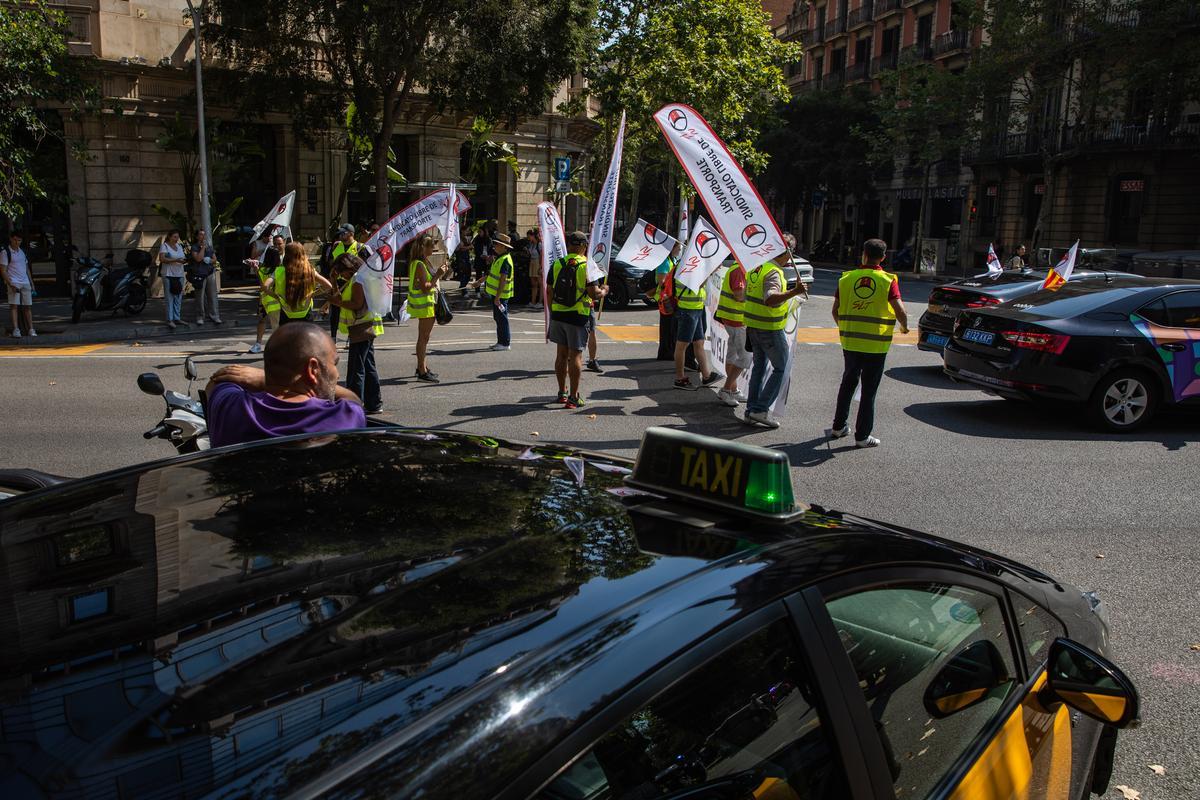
(644,333)
(17,351)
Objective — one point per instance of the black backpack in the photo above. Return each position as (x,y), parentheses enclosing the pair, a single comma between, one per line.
(566,286)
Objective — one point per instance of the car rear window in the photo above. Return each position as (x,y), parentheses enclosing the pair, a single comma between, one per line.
(1070,300)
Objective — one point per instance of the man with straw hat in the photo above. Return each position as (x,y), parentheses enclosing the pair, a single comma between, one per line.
(498,284)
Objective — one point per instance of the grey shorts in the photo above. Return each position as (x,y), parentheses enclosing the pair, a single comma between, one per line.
(573,337)
(737,354)
(20,294)
(690,324)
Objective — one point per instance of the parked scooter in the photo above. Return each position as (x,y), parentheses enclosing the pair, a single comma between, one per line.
(183,425)
(99,286)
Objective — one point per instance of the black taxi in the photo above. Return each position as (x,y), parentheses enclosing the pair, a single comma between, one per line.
(400,613)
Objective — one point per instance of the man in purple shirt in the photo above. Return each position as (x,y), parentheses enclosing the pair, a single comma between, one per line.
(296,392)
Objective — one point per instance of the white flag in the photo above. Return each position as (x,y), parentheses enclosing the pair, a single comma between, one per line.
(704,253)
(451,232)
(1062,271)
(600,242)
(378,275)
(731,199)
(717,342)
(647,246)
(554,247)
(994,268)
(279,218)
(683,215)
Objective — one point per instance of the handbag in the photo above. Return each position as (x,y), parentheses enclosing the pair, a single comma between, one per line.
(441,309)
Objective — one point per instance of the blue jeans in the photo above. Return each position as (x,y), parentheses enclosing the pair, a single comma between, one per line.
(174,299)
(769,346)
(362,377)
(500,314)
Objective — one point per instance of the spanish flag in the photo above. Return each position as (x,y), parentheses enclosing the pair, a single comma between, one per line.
(1062,271)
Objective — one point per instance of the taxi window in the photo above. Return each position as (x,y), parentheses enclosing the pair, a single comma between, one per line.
(743,725)
(1039,629)
(1183,309)
(902,641)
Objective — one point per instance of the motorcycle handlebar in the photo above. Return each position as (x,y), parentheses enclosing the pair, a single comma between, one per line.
(156,431)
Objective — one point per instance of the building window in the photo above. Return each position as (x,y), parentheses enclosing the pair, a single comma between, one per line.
(1125,208)
(90,605)
(85,544)
(989,206)
(1035,191)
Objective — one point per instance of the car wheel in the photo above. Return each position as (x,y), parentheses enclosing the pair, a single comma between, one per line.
(618,295)
(1124,400)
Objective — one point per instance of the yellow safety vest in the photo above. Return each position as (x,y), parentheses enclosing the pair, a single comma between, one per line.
(865,317)
(583,304)
(281,291)
(759,315)
(269,302)
(347,319)
(658,284)
(492,284)
(420,304)
(340,248)
(729,309)
(685,297)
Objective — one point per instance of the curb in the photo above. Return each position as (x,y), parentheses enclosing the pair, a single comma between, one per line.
(113,336)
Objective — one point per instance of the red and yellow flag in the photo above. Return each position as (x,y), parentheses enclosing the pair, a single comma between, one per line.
(1062,271)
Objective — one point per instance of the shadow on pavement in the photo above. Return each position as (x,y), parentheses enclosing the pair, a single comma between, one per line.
(1004,419)
(930,377)
(814,452)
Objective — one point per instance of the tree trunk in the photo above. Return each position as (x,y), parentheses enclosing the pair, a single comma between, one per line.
(672,190)
(1039,228)
(379,156)
(634,196)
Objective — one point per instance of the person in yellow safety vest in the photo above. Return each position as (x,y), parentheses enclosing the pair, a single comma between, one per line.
(361,328)
(346,243)
(866,308)
(666,322)
(294,285)
(690,328)
(268,306)
(731,312)
(765,314)
(422,294)
(498,283)
(569,321)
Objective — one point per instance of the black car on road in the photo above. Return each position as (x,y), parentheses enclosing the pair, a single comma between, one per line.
(401,613)
(1121,348)
(945,302)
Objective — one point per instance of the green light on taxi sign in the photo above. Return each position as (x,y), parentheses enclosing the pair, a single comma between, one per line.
(753,480)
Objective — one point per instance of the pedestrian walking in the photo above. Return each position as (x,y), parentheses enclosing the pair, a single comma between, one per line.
(268,304)
(534,250)
(18,280)
(866,308)
(171,264)
(361,328)
(666,322)
(498,285)
(462,264)
(1017,262)
(422,294)
(201,272)
(690,329)
(346,243)
(570,314)
(766,312)
(294,285)
(731,313)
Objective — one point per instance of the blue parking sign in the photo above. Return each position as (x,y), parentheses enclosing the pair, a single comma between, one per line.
(562,168)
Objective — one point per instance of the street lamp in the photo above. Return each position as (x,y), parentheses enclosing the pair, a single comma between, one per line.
(205,220)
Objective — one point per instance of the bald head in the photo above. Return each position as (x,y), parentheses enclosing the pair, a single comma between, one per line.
(301,355)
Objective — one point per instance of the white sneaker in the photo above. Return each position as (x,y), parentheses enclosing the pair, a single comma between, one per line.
(256,347)
(741,397)
(838,433)
(761,418)
(32,332)
(498,347)
(870,441)
(16,333)
(200,321)
(727,397)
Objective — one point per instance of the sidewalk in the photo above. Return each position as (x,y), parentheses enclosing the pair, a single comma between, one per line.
(52,320)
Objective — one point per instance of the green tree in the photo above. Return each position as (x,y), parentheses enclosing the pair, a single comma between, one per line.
(718,56)
(36,75)
(498,60)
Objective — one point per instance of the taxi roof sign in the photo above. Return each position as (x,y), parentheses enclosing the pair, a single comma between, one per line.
(740,477)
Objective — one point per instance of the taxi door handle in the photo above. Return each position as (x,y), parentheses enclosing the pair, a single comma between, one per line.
(1174,347)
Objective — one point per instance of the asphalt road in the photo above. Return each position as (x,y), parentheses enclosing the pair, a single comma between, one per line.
(1100,511)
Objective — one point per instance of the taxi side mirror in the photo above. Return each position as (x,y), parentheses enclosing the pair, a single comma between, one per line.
(966,679)
(1090,684)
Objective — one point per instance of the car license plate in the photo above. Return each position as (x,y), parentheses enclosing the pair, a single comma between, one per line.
(937,340)
(977,336)
(936,308)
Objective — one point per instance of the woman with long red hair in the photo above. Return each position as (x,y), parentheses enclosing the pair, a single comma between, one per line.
(295,283)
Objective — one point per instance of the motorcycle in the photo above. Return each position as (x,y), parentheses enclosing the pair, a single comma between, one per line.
(183,424)
(100,287)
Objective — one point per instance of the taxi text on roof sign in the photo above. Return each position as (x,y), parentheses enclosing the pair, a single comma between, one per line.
(754,480)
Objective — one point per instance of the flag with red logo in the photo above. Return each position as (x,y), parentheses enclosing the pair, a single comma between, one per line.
(451,232)
(703,254)
(647,246)
(600,241)
(733,204)
(279,219)
(1062,271)
(994,267)
(554,247)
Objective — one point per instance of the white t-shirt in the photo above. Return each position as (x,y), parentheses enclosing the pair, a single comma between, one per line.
(16,264)
(167,251)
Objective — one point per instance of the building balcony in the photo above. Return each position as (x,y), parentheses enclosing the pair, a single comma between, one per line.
(861,16)
(951,43)
(805,86)
(859,71)
(1113,136)
(834,79)
(910,3)
(884,8)
(835,27)
(810,39)
(916,53)
(796,24)
(885,61)
(83,30)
